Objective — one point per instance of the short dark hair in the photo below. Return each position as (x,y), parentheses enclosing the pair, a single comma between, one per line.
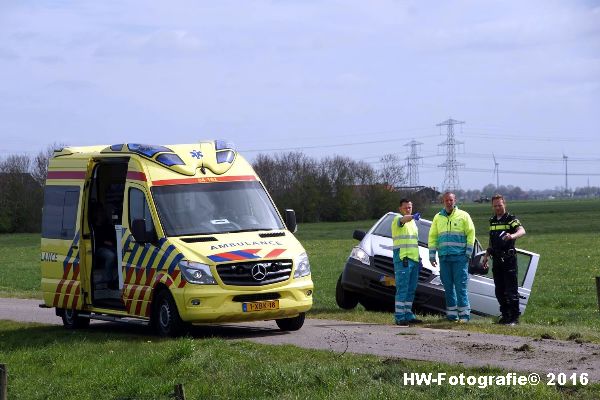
(404,200)
(498,197)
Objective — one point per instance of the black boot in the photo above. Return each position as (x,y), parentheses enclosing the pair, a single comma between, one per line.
(503,319)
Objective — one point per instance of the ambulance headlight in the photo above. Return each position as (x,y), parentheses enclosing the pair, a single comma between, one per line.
(302,266)
(360,255)
(198,273)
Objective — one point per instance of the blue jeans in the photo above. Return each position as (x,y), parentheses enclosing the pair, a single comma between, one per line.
(455,278)
(406,284)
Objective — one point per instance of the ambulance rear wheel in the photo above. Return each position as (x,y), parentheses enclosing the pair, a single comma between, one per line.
(291,324)
(166,319)
(72,320)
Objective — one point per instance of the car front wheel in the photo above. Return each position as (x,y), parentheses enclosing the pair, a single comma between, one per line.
(344,299)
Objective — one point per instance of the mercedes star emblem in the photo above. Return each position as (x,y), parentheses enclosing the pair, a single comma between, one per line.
(259,272)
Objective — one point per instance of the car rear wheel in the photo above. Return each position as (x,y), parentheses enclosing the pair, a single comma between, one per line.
(72,320)
(291,324)
(344,299)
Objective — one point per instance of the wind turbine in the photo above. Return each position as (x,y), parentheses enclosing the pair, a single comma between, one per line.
(496,172)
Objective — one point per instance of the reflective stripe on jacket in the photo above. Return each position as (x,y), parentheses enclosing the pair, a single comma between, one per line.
(452,234)
(406,238)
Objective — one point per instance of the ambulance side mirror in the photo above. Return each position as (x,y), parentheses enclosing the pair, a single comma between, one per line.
(290,220)
(138,230)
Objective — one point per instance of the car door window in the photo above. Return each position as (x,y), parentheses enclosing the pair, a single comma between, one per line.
(523,262)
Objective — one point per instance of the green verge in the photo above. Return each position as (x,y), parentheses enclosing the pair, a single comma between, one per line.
(20,274)
(109,363)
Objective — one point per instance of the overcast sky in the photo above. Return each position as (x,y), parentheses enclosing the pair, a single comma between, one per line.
(355,78)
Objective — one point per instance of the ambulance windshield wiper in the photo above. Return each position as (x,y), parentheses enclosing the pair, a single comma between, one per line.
(249,230)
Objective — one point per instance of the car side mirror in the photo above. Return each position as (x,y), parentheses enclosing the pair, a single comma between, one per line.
(138,230)
(290,220)
(359,235)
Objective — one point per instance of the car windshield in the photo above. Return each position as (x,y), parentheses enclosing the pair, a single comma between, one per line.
(384,228)
(218,207)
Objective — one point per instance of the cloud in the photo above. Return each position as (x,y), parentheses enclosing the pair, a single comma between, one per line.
(160,44)
(70,85)
(49,59)
(8,54)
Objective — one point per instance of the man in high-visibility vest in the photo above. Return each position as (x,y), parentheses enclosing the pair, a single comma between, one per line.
(452,237)
(405,235)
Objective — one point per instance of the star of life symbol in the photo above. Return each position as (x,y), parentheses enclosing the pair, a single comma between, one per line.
(196,154)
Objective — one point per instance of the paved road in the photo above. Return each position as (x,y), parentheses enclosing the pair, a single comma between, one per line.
(448,346)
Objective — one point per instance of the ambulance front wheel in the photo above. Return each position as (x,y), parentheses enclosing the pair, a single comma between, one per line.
(72,320)
(291,324)
(165,318)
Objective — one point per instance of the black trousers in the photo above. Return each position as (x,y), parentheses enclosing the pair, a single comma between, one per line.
(507,287)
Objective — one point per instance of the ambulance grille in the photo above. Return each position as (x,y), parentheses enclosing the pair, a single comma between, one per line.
(255,273)
(386,264)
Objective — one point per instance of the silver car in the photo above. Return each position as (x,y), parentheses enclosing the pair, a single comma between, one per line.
(368,277)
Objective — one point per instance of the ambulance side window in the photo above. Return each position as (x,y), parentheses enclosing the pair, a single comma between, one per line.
(60,212)
(138,209)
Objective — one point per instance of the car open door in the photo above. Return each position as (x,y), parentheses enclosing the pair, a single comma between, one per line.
(482,290)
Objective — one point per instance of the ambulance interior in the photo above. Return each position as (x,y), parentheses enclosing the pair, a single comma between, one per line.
(105,210)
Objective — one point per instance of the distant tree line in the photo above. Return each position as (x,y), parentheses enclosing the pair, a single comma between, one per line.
(333,188)
(22,191)
(516,193)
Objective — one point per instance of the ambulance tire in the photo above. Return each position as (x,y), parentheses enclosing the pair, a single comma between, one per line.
(72,320)
(344,299)
(165,318)
(291,324)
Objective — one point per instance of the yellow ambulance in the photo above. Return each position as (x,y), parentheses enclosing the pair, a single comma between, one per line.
(171,235)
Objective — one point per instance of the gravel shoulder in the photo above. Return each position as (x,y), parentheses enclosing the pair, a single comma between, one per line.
(470,349)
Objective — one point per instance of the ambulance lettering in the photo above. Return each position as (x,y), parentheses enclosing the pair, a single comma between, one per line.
(49,257)
(240,244)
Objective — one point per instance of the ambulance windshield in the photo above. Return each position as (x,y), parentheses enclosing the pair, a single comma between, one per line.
(212,208)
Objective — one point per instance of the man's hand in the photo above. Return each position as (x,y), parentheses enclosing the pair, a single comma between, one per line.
(484,260)
(416,216)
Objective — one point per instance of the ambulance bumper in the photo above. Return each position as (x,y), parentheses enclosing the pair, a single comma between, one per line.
(212,303)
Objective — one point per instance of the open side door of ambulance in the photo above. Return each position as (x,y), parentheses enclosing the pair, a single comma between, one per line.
(482,289)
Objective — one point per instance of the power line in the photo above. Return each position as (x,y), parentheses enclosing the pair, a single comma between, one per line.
(451,165)
(326,146)
(413,163)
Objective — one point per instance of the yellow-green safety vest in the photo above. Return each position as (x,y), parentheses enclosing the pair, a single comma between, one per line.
(406,239)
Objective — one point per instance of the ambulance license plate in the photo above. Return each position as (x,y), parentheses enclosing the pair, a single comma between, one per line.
(260,306)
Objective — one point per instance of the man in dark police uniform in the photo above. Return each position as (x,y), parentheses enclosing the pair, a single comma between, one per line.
(505,228)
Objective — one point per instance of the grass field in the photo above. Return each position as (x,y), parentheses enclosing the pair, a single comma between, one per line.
(50,362)
(124,363)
